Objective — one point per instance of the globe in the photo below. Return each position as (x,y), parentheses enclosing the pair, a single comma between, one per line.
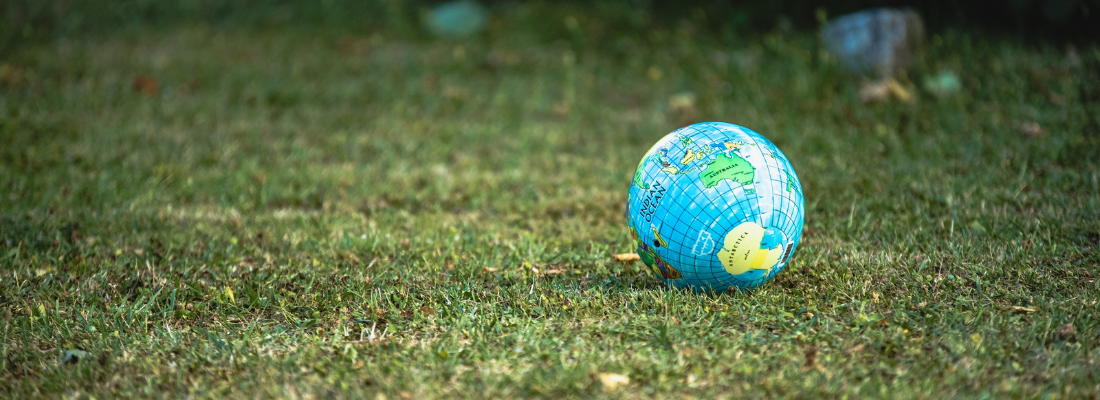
(715,206)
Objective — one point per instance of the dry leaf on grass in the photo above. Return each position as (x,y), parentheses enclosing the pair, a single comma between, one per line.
(1031,129)
(884,90)
(146,85)
(1067,331)
(811,361)
(626,257)
(1018,309)
(10,75)
(612,381)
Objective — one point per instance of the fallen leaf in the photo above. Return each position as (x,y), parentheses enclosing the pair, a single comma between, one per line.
(1032,129)
(654,73)
(354,260)
(811,360)
(884,90)
(1067,331)
(430,83)
(562,109)
(612,381)
(1056,98)
(899,92)
(1018,309)
(10,75)
(359,46)
(146,85)
(626,257)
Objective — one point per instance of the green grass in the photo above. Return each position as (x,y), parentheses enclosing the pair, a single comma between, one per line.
(308,212)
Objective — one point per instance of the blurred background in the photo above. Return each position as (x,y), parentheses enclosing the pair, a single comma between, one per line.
(28,20)
(272,104)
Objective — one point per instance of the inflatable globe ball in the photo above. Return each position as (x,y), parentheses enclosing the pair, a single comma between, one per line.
(714,207)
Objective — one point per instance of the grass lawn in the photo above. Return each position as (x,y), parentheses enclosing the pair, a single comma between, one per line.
(203,210)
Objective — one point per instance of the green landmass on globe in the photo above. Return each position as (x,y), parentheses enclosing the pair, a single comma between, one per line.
(731,167)
(638,179)
(646,256)
(655,157)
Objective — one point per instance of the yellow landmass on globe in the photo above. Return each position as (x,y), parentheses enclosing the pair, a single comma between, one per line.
(657,235)
(741,250)
(689,157)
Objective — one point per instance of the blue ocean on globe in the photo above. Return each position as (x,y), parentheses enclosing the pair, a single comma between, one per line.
(715,206)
